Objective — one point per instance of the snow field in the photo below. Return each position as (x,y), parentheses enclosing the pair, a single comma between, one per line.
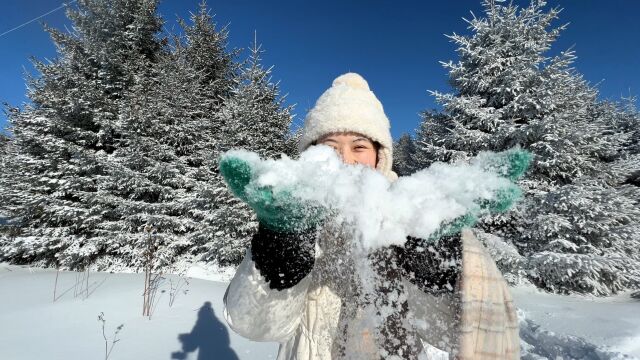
(32,327)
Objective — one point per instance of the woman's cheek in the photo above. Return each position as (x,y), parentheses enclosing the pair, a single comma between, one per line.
(367,158)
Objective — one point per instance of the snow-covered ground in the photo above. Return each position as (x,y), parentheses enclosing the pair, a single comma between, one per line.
(613,321)
(33,326)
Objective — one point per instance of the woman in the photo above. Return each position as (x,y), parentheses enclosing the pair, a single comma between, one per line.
(298,284)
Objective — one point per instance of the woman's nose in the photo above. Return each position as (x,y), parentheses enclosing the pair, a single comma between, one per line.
(347,157)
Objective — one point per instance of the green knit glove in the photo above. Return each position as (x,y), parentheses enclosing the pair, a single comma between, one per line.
(510,164)
(277,209)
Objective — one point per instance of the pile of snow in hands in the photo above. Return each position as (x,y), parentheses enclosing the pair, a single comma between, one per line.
(381,212)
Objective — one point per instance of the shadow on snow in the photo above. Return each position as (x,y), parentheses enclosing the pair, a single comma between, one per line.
(209,336)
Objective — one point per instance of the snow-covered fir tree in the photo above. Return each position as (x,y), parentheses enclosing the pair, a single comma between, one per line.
(150,181)
(403,155)
(509,92)
(4,145)
(63,141)
(625,118)
(173,132)
(206,52)
(4,142)
(254,118)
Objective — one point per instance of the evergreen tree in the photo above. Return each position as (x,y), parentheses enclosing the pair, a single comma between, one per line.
(625,118)
(509,92)
(205,51)
(403,153)
(429,143)
(4,144)
(254,119)
(153,177)
(4,151)
(4,141)
(63,141)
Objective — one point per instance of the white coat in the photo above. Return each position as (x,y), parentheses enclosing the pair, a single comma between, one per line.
(478,321)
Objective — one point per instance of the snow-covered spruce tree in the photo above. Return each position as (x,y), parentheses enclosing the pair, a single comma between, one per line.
(166,178)
(427,142)
(403,151)
(584,235)
(63,141)
(509,92)
(625,118)
(205,51)
(254,119)
(151,181)
(4,144)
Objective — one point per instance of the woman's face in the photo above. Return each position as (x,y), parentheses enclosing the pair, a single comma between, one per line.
(352,147)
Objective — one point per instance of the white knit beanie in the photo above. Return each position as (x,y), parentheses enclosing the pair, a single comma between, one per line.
(349,106)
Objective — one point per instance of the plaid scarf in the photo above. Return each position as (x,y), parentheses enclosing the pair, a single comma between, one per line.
(488,321)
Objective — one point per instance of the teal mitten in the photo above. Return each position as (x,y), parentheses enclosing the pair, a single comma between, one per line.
(510,164)
(276,208)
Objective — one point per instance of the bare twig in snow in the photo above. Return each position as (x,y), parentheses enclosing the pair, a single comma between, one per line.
(108,349)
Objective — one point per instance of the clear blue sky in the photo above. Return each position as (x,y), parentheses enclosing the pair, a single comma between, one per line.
(395,45)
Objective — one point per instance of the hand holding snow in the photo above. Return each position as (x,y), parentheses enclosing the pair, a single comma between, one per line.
(428,204)
(279,208)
